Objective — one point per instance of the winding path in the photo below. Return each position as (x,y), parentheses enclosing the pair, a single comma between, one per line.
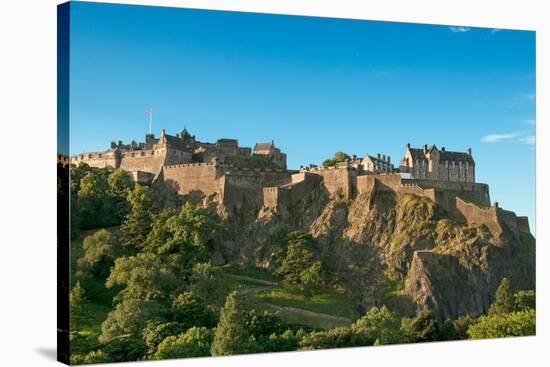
(266,284)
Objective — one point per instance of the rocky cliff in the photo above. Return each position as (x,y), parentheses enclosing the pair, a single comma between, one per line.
(398,249)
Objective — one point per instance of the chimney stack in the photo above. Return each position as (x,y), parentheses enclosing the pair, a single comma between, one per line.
(469,151)
(425,148)
(442,149)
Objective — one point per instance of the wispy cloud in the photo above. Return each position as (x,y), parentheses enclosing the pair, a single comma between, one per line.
(524,138)
(459,29)
(528,139)
(529,121)
(498,138)
(495,30)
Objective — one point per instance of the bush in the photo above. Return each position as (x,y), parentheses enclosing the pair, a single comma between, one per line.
(195,342)
(519,323)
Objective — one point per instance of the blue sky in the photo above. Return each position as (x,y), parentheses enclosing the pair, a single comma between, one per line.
(314,85)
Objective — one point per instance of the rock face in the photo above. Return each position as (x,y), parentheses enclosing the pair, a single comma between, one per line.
(396,248)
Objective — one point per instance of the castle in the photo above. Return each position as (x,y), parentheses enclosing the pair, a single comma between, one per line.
(241,177)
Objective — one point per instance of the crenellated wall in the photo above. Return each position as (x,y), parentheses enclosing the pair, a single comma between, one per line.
(143,160)
(97,159)
(193,177)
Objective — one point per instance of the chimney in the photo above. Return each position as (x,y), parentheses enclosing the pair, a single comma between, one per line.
(425,148)
(378,155)
(469,151)
(442,149)
(383,157)
(388,159)
(408,146)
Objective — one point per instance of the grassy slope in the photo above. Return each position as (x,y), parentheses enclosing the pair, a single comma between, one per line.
(328,301)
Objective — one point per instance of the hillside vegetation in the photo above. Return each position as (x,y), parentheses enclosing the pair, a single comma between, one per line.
(155,277)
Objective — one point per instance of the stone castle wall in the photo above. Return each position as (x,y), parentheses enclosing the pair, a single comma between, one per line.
(287,195)
(96,159)
(143,160)
(193,177)
(339,179)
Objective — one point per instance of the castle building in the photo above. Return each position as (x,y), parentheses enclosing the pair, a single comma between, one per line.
(438,165)
(269,151)
(228,172)
(146,159)
(379,164)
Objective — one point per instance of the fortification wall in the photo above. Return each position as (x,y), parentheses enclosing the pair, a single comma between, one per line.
(523,225)
(286,195)
(338,179)
(365,184)
(193,177)
(509,218)
(96,159)
(142,160)
(477,193)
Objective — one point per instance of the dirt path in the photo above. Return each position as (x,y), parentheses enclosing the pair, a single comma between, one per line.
(287,309)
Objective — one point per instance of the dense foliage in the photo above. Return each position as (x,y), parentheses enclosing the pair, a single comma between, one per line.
(337,158)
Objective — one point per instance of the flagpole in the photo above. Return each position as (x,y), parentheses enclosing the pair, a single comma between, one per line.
(150,120)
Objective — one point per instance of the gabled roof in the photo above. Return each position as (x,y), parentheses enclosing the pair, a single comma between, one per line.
(417,153)
(455,156)
(263,146)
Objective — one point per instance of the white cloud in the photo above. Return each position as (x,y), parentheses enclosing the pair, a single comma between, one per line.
(528,139)
(459,29)
(495,30)
(498,138)
(524,138)
(530,121)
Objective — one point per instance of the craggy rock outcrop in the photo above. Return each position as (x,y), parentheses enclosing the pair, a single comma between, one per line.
(396,248)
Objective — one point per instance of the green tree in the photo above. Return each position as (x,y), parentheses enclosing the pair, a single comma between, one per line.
(100,251)
(125,347)
(525,300)
(338,158)
(91,195)
(312,279)
(79,312)
(263,324)
(137,224)
(421,328)
(231,336)
(156,331)
(379,326)
(143,276)
(206,282)
(187,238)
(504,299)
(519,323)
(129,318)
(286,341)
(299,256)
(195,342)
(119,185)
(189,310)
(339,337)
(461,325)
